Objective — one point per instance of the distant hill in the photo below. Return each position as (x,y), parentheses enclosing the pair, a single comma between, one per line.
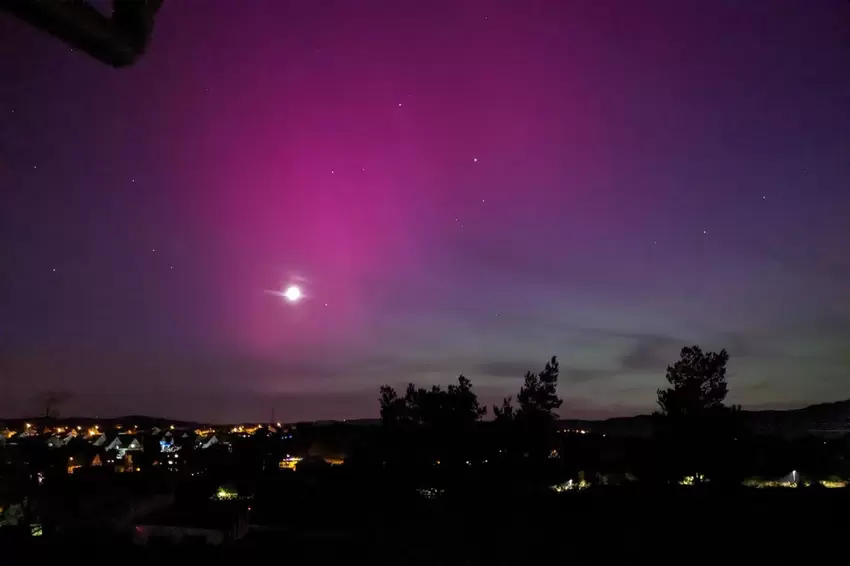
(823,418)
(141,421)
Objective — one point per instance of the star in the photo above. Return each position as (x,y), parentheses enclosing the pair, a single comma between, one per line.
(703,231)
(35,166)
(54,270)
(153,250)
(475,160)
(333,172)
(399,104)
(132,180)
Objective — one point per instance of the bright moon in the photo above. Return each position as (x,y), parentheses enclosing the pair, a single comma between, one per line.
(292,293)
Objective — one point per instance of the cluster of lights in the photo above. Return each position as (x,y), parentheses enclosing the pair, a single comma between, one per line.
(245,430)
(763,484)
(228,494)
(430,492)
(759,483)
(570,485)
(224,494)
(289,463)
(575,431)
(693,480)
(794,480)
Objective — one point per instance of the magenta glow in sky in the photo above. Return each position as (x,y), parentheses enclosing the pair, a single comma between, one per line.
(456,187)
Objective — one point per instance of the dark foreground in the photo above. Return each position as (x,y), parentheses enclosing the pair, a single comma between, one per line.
(603,525)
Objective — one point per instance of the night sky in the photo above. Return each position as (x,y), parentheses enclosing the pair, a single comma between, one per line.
(457,186)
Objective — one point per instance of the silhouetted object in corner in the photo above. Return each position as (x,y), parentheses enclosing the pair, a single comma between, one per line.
(117,41)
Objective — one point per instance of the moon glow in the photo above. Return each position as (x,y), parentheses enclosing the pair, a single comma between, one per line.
(292,294)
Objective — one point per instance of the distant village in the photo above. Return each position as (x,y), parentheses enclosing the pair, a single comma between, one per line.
(142,480)
(131,447)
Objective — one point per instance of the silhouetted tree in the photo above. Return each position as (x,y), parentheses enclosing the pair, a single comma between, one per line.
(461,407)
(538,398)
(697,383)
(531,427)
(693,422)
(456,406)
(393,407)
(504,414)
(430,424)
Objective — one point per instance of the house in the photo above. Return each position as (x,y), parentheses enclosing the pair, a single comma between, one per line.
(124,443)
(61,438)
(207,442)
(167,445)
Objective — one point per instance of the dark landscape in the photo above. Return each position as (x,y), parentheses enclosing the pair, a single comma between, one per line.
(432,482)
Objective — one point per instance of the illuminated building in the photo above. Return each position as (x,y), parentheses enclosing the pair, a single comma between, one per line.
(289,463)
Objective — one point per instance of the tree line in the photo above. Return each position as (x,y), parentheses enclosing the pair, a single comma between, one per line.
(447,422)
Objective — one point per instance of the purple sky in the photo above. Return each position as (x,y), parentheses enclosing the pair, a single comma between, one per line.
(459,186)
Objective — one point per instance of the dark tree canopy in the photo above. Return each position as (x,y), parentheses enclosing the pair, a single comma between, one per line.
(697,383)
(456,406)
(538,396)
(505,413)
(393,407)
